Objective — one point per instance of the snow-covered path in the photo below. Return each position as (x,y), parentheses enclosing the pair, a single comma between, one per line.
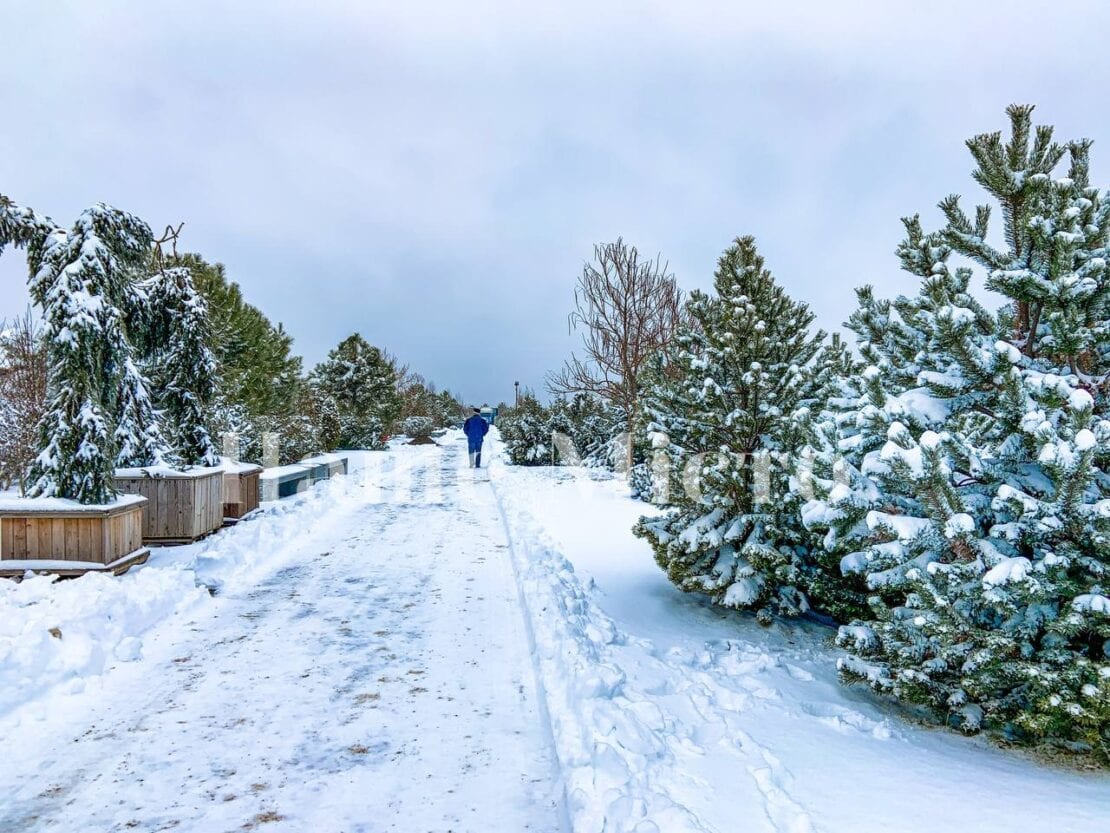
(413,648)
(379,680)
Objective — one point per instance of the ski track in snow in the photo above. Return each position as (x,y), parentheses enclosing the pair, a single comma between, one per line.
(379,680)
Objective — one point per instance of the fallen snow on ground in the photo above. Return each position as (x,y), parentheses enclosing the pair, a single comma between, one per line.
(420,647)
(65,633)
(672,715)
(364,666)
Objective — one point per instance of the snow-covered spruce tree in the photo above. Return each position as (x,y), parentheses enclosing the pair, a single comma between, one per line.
(97,404)
(179,362)
(739,374)
(363,384)
(987,501)
(325,416)
(526,432)
(138,430)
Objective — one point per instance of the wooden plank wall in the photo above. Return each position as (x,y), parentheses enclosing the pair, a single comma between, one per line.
(99,538)
(210,503)
(179,508)
(241,493)
(249,490)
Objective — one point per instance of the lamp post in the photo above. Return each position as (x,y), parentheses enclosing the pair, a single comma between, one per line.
(516,390)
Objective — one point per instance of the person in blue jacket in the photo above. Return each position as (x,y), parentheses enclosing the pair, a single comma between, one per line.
(475,428)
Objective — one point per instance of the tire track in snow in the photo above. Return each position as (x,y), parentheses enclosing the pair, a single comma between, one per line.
(526,623)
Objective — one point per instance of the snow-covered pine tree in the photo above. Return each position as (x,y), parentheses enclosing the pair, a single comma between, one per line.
(418,427)
(560,429)
(180,362)
(526,431)
(597,429)
(97,400)
(21,227)
(658,464)
(258,373)
(325,416)
(447,409)
(81,280)
(741,371)
(363,384)
(138,434)
(828,455)
(990,600)
(906,385)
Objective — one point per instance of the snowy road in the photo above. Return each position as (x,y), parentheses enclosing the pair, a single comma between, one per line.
(379,680)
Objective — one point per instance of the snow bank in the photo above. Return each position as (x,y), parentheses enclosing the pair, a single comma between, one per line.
(55,634)
(700,719)
(610,739)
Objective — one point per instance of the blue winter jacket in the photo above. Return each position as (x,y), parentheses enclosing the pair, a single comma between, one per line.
(476,428)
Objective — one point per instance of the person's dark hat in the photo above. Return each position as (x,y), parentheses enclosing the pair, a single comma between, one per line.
(477,410)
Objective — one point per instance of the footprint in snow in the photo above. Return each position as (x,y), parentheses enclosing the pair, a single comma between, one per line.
(798,673)
(847,720)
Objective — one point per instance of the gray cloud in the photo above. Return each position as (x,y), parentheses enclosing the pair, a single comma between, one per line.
(433,175)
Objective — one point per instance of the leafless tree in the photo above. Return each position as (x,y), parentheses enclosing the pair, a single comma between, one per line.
(22,396)
(627,308)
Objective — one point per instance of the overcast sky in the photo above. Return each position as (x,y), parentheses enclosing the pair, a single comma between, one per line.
(432,175)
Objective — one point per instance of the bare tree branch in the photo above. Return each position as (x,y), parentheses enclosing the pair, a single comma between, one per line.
(22,396)
(626,309)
